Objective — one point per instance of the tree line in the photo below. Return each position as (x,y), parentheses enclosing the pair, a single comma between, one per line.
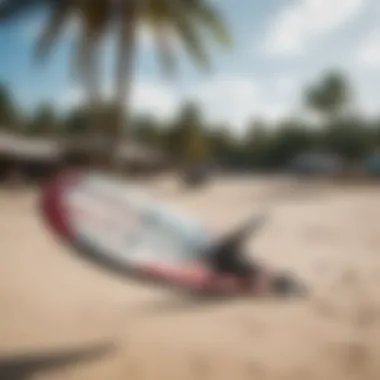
(189,138)
(191,23)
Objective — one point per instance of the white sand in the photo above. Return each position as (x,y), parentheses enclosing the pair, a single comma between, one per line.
(50,299)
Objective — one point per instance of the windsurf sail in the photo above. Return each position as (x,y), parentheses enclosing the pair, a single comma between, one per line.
(230,244)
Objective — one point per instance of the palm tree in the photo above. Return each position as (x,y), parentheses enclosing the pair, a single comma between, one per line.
(7,108)
(190,136)
(93,21)
(185,19)
(44,122)
(330,96)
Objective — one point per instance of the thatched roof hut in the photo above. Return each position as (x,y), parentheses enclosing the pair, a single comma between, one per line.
(25,148)
(41,155)
(137,157)
(130,155)
(30,158)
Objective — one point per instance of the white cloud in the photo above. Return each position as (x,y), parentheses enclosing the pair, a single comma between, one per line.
(227,98)
(274,111)
(301,23)
(71,97)
(369,54)
(234,100)
(147,97)
(285,85)
(145,36)
(156,98)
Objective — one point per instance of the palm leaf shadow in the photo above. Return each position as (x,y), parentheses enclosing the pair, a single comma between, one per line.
(27,365)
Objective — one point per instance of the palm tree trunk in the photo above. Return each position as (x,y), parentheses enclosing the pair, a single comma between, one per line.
(97,152)
(124,74)
(88,72)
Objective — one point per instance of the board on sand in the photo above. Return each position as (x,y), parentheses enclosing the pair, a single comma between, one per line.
(120,226)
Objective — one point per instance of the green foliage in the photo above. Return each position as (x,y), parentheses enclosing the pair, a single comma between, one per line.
(191,22)
(291,138)
(257,144)
(330,96)
(189,138)
(350,138)
(148,130)
(8,117)
(76,122)
(186,134)
(44,121)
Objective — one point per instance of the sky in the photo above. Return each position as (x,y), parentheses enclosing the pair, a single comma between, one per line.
(280,47)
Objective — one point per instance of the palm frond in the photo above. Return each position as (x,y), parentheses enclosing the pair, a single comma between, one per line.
(165,50)
(193,42)
(212,21)
(95,17)
(180,18)
(80,54)
(59,16)
(93,24)
(13,8)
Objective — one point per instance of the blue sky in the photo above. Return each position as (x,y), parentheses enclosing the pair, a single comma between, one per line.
(280,46)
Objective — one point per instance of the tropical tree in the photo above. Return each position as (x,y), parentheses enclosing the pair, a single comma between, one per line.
(291,138)
(93,19)
(376,133)
(76,122)
(330,96)
(189,138)
(148,130)
(7,108)
(185,19)
(44,122)
(225,147)
(257,144)
(351,138)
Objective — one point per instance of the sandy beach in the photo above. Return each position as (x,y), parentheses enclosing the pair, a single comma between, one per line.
(53,301)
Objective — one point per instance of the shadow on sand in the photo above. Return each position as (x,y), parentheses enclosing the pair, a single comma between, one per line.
(27,365)
(178,304)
